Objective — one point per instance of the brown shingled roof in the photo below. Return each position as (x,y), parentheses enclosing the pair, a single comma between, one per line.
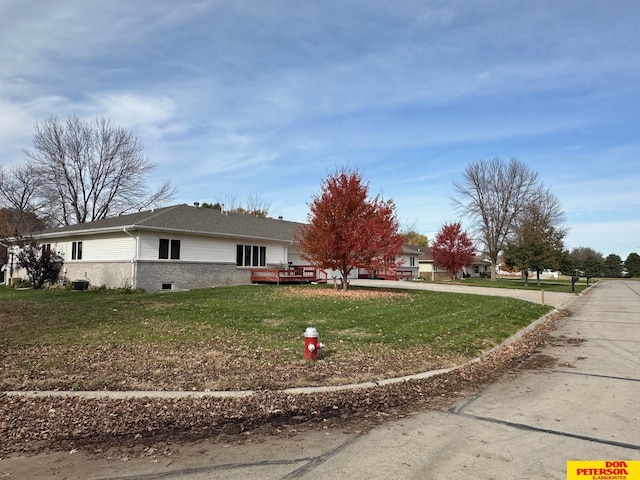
(188,219)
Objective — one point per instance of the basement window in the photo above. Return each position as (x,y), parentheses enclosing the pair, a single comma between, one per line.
(167,286)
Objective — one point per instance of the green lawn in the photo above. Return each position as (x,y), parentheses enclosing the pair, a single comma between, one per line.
(273,316)
(246,337)
(562,284)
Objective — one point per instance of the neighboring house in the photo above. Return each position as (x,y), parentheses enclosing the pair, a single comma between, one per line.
(408,269)
(410,261)
(173,248)
(480,267)
(430,271)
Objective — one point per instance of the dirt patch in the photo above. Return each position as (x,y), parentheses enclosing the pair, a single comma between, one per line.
(563,340)
(538,362)
(337,293)
(216,365)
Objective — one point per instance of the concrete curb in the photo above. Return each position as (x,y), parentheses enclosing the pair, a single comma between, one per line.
(121,395)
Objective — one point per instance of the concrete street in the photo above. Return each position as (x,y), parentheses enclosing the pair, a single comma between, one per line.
(555,299)
(582,402)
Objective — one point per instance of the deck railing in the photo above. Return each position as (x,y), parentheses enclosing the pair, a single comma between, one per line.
(390,274)
(293,274)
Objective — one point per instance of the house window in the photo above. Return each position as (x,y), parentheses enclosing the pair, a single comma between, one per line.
(251,256)
(167,286)
(175,249)
(255,256)
(45,248)
(412,261)
(169,249)
(76,251)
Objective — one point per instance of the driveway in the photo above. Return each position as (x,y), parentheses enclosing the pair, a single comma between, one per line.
(555,299)
(580,402)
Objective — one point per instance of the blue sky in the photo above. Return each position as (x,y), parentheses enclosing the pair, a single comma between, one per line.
(238,98)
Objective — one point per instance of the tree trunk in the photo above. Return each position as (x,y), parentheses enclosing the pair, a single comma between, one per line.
(344,272)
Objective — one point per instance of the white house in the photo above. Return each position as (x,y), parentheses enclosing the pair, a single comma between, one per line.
(175,248)
(479,267)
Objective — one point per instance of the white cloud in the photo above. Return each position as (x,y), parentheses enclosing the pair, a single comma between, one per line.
(131,109)
(154,118)
(234,96)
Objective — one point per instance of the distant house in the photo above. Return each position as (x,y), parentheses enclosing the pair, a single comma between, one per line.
(479,267)
(178,248)
(408,269)
(428,270)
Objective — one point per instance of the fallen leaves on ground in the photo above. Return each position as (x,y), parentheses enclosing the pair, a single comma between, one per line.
(29,424)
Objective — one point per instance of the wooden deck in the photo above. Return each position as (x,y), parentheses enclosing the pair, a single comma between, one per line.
(293,274)
(389,274)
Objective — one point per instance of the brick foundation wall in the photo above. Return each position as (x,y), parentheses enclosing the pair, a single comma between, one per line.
(189,275)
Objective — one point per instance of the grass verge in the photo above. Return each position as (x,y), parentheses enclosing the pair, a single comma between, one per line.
(562,284)
(247,337)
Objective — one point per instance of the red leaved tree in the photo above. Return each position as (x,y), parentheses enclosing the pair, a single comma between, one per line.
(452,248)
(348,230)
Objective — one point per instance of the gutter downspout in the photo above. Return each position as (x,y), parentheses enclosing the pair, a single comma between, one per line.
(7,280)
(134,260)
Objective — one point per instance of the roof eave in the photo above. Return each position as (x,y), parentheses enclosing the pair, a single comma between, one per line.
(94,231)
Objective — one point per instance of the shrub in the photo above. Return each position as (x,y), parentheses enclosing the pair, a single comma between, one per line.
(42,264)
(20,283)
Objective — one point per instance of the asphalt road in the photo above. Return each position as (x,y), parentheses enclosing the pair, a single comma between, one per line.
(582,402)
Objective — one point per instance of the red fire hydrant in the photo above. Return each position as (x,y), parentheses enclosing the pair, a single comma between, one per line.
(311,344)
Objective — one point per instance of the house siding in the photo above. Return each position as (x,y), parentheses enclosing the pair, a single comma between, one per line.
(406,265)
(104,248)
(207,249)
(192,249)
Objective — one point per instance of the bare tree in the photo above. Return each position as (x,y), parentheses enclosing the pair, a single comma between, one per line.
(229,203)
(254,205)
(550,208)
(90,170)
(495,194)
(257,206)
(19,187)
